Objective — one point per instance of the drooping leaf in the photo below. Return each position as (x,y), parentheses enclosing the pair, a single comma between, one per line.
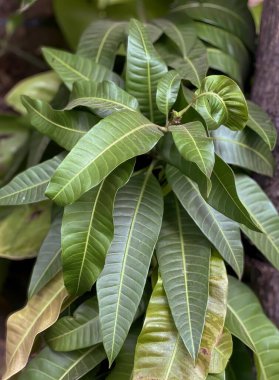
(63,127)
(223,233)
(63,365)
(116,139)
(41,311)
(137,218)
(247,321)
(144,70)
(225,63)
(183,254)
(244,149)
(87,231)
(167,91)
(102,98)
(221,353)
(193,144)
(30,185)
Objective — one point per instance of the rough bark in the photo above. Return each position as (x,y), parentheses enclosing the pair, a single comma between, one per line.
(265,92)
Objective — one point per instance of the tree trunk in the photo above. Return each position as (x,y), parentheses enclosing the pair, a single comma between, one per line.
(265,92)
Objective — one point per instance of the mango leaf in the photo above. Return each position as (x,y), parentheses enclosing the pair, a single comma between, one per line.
(72,68)
(183,254)
(220,376)
(138,216)
(48,262)
(225,63)
(193,144)
(224,198)
(265,215)
(144,70)
(41,311)
(63,365)
(63,127)
(100,41)
(247,321)
(87,231)
(167,91)
(223,233)
(117,138)
(79,331)
(244,149)
(260,122)
(23,231)
(221,353)
(41,86)
(102,98)
(219,100)
(30,185)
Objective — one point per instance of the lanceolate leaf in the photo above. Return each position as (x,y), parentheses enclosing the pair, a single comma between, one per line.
(41,311)
(247,321)
(63,365)
(102,98)
(30,185)
(266,216)
(223,62)
(87,231)
(223,233)
(63,127)
(221,353)
(144,70)
(244,149)
(115,139)
(79,331)
(167,91)
(194,145)
(137,218)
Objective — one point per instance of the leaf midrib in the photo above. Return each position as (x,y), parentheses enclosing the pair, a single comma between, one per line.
(76,102)
(104,39)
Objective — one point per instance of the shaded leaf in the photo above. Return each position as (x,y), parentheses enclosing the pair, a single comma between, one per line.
(221,353)
(225,63)
(167,91)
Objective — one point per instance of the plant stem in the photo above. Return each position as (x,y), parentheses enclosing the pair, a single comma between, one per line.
(141,10)
(184,110)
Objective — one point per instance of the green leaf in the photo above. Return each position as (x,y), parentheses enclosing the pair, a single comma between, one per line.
(137,219)
(79,331)
(72,68)
(63,127)
(117,138)
(101,40)
(244,149)
(30,185)
(41,86)
(260,122)
(223,233)
(220,376)
(183,254)
(102,98)
(63,365)
(265,215)
(167,91)
(221,353)
(144,70)
(224,198)
(48,262)
(225,63)
(193,144)
(247,321)
(87,231)
(219,100)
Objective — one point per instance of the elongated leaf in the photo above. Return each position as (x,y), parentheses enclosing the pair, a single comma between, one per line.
(144,70)
(244,149)
(266,216)
(79,331)
(63,365)
(247,321)
(64,127)
(223,233)
(87,231)
(223,62)
(100,41)
(102,98)
(115,139)
(48,262)
(167,91)
(137,218)
(30,185)
(183,255)
(224,198)
(220,101)
(41,311)
(221,353)
(261,123)
(194,145)
(72,68)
